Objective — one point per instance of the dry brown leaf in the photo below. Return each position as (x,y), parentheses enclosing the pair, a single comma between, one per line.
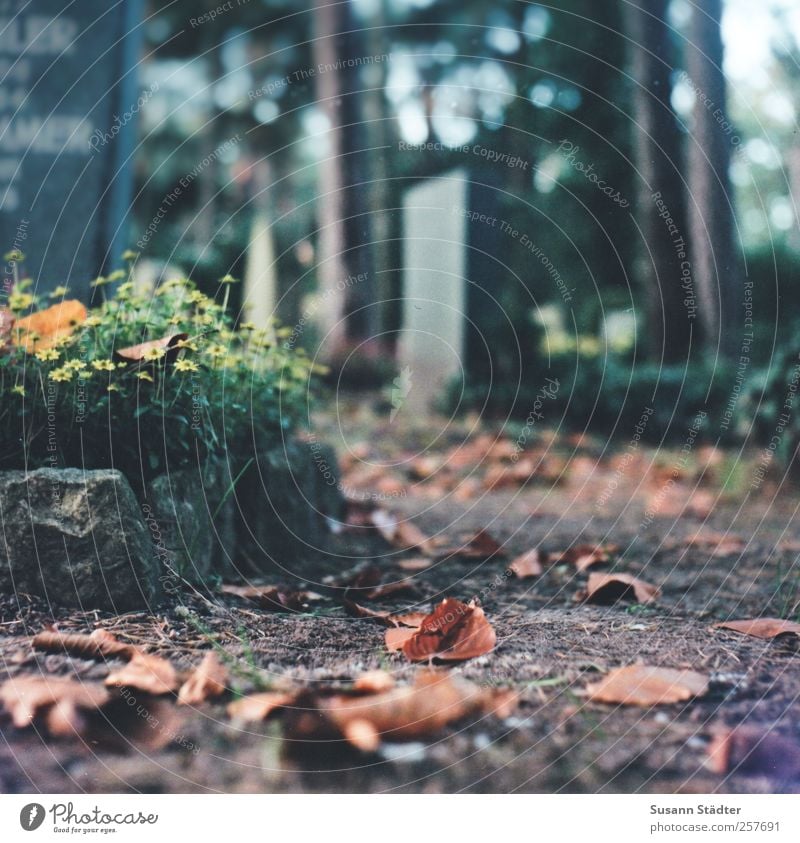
(584,556)
(168,344)
(43,328)
(750,750)
(400,714)
(412,619)
(644,685)
(99,643)
(528,564)
(387,589)
(481,545)
(401,533)
(720,544)
(417,563)
(609,588)
(208,681)
(453,631)
(147,673)
(762,627)
(396,637)
(374,682)
(356,610)
(26,698)
(257,707)
(270,597)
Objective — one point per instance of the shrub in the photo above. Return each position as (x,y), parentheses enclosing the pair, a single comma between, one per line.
(607,394)
(78,388)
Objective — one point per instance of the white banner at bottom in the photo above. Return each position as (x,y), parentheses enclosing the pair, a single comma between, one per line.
(392,819)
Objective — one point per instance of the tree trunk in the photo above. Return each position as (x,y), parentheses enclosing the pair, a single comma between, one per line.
(711,216)
(659,195)
(332,263)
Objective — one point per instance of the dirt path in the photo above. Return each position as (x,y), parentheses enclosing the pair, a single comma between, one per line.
(549,646)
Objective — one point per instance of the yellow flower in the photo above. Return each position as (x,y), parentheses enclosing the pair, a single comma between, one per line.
(117,275)
(92,321)
(63,342)
(61,375)
(99,281)
(74,365)
(228,279)
(188,344)
(203,319)
(14,256)
(153,354)
(248,326)
(175,320)
(59,292)
(186,366)
(47,354)
(216,350)
(124,290)
(129,255)
(18,389)
(20,301)
(104,365)
(112,387)
(198,298)
(144,376)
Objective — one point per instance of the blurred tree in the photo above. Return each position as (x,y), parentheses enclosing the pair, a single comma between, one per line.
(659,190)
(716,258)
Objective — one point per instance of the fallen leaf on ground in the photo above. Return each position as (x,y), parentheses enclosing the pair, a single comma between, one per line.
(42,329)
(147,673)
(481,545)
(271,598)
(209,680)
(609,588)
(99,642)
(400,714)
(257,707)
(137,353)
(397,636)
(401,533)
(762,627)
(453,631)
(356,610)
(387,589)
(366,584)
(644,685)
(418,563)
(374,682)
(584,556)
(751,750)
(528,564)
(412,619)
(59,701)
(719,544)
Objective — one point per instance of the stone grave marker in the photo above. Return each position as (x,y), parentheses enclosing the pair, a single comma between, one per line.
(431,346)
(68,106)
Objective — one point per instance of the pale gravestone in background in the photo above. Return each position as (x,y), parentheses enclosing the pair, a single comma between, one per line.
(68,105)
(431,347)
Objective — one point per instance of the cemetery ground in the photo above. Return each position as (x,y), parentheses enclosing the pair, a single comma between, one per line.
(716,545)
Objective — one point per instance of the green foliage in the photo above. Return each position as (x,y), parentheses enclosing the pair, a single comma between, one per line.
(608,395)
(72,400)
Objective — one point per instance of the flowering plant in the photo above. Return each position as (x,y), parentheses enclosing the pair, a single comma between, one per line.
(148,381)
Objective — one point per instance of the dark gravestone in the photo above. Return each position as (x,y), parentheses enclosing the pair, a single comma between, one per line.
(68,105)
